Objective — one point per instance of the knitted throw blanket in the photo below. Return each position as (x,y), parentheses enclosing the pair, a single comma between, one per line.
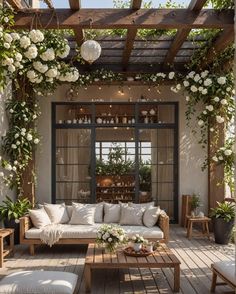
(51,234)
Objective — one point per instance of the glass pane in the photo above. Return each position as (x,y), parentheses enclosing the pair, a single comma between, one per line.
(165,191)
(73,114)
(166,114)
(74,173)
(165,156)
(73,191)
(165,138)
(81,155)
(165,173)
(73,138)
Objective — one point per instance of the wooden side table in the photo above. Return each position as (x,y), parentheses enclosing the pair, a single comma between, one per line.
(10,250)
(202,220)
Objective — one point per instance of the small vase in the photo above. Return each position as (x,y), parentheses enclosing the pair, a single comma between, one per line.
(149,248)
(137,246)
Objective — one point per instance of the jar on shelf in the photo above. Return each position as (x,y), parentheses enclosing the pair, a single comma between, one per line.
(116,119)
(146,120)
(124,119)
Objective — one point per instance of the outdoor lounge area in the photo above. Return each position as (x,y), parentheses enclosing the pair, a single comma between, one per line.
(117,147)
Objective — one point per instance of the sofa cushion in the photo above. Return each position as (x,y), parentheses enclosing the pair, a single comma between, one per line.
(82,214)
(57,213)
(88,231)
(111,213)
(227,270)
(141,205)
(35,282)
(39,217)
(98,217)
(150,216)
(131,216)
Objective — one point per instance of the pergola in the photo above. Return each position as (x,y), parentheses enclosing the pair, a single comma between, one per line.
(130,53)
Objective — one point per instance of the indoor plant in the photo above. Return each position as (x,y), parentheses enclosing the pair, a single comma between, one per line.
(110,236)
(138,242)
(223,220)
(195,203)
(11,211)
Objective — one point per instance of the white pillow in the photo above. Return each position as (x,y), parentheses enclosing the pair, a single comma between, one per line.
(57,213)
(82,215)
(39,218)
(150,216)
(111,213)
(98,218)
(141,205)
(131,216)
(69,210)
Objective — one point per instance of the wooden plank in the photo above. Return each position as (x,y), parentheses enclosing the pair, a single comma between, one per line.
(75,4)
(49,4)
(79,33)
(130,37)
(181,35)
(225,39)
(16,4)
(125,18)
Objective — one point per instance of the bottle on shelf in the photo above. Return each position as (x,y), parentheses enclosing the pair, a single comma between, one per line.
(116,119)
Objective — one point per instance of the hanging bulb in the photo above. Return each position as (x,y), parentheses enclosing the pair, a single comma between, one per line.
(99,88)
(85,88)
(122,92)
(149,89)
(129,88)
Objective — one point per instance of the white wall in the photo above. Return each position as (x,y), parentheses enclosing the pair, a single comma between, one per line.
(191,155)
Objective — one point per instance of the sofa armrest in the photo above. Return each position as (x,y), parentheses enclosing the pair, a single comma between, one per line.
(25,225)
(163,223)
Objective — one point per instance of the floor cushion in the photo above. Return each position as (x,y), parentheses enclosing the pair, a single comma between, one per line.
(88,231)
(227,270)
(35,282)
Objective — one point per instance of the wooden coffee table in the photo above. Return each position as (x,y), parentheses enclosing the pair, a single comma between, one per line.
(163,257)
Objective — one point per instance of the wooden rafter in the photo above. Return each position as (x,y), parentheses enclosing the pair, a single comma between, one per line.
(78,31)
(130,37)
(49,4)
(126,18)
(182,34)
(15,4)
(220,44)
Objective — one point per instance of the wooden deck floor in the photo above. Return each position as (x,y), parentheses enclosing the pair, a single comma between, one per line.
(196,257)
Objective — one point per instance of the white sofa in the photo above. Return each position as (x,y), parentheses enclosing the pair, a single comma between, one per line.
(85,234)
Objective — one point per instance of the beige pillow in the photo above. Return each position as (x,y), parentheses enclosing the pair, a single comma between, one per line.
(111,213)
(131,216)
(57,213)
(39,218)
(69,210)
(82,215)
(98,218)
(141,205)
(150,216)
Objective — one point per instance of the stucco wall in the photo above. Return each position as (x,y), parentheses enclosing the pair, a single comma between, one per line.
(191,155)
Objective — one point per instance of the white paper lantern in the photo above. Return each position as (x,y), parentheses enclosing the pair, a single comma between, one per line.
(90,51)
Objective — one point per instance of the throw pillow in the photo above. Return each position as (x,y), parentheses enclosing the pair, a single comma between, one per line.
(98,217)
(131,216)
(57,213)
(111,213)
(141,205)
(69,210)
(150,216)
(39,218)
(82,215)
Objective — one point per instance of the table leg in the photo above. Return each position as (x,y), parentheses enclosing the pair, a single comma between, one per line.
(87,277)
(12,243)
(203,228)
(190,229)
(176,278)
(207,230)
(1,252)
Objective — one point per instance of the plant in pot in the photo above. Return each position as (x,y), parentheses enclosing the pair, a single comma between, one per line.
(138,242)
(195,203)
(11,211)
(223,221)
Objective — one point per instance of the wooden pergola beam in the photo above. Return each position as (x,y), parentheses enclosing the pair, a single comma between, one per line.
(220,44)
(182,34)
(78,31)
(130,37)
(126,18)
(49,4)
(15,4)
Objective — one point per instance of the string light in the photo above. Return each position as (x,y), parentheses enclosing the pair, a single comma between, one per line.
(122,92)
(149,89)
(129,88)
(99,88)
(85,88)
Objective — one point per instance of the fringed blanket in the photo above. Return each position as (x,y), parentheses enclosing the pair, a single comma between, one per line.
(51,234)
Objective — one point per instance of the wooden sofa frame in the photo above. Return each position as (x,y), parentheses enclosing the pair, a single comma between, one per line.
(26,224)
(214,282)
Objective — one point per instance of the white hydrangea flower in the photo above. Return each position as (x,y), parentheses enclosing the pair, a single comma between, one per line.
(187,98)
(25,42)
(36,141)
(210,107)
(13,146)
(36,36)
(29,137)
(15,36)
(193,88)
(221,80)
(8,167)
(171,75)
(204,73)
(39,66)
(51,73)
(223,101)
(6,45)
(204,91)
(228,152)
(220,119)
(215,158)
(228,89)
(216,99)
(197,78)
(31,74)
(8,38)
(191,74)
(200,89)
(48,55)
(204,112)
(7,61)
(200,122)
(32,52)
(221,157)
(65,53)
(207,82)
(11,68)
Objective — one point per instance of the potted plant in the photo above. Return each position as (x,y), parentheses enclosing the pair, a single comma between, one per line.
(138,242)
(223,220)
(195,203)
(11,211)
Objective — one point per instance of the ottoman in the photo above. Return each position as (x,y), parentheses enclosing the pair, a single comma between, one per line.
(37,282)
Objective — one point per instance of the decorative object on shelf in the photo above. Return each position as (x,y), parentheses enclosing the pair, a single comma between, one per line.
(152,112)
(99,120)
(74,121)
(146,120)
(138,242)
(60,121)
(223,220)
(111,236)
(90,51)
(130,79)
(144,112)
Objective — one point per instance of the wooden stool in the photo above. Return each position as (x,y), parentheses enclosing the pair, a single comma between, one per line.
(3,252)
(202,220)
